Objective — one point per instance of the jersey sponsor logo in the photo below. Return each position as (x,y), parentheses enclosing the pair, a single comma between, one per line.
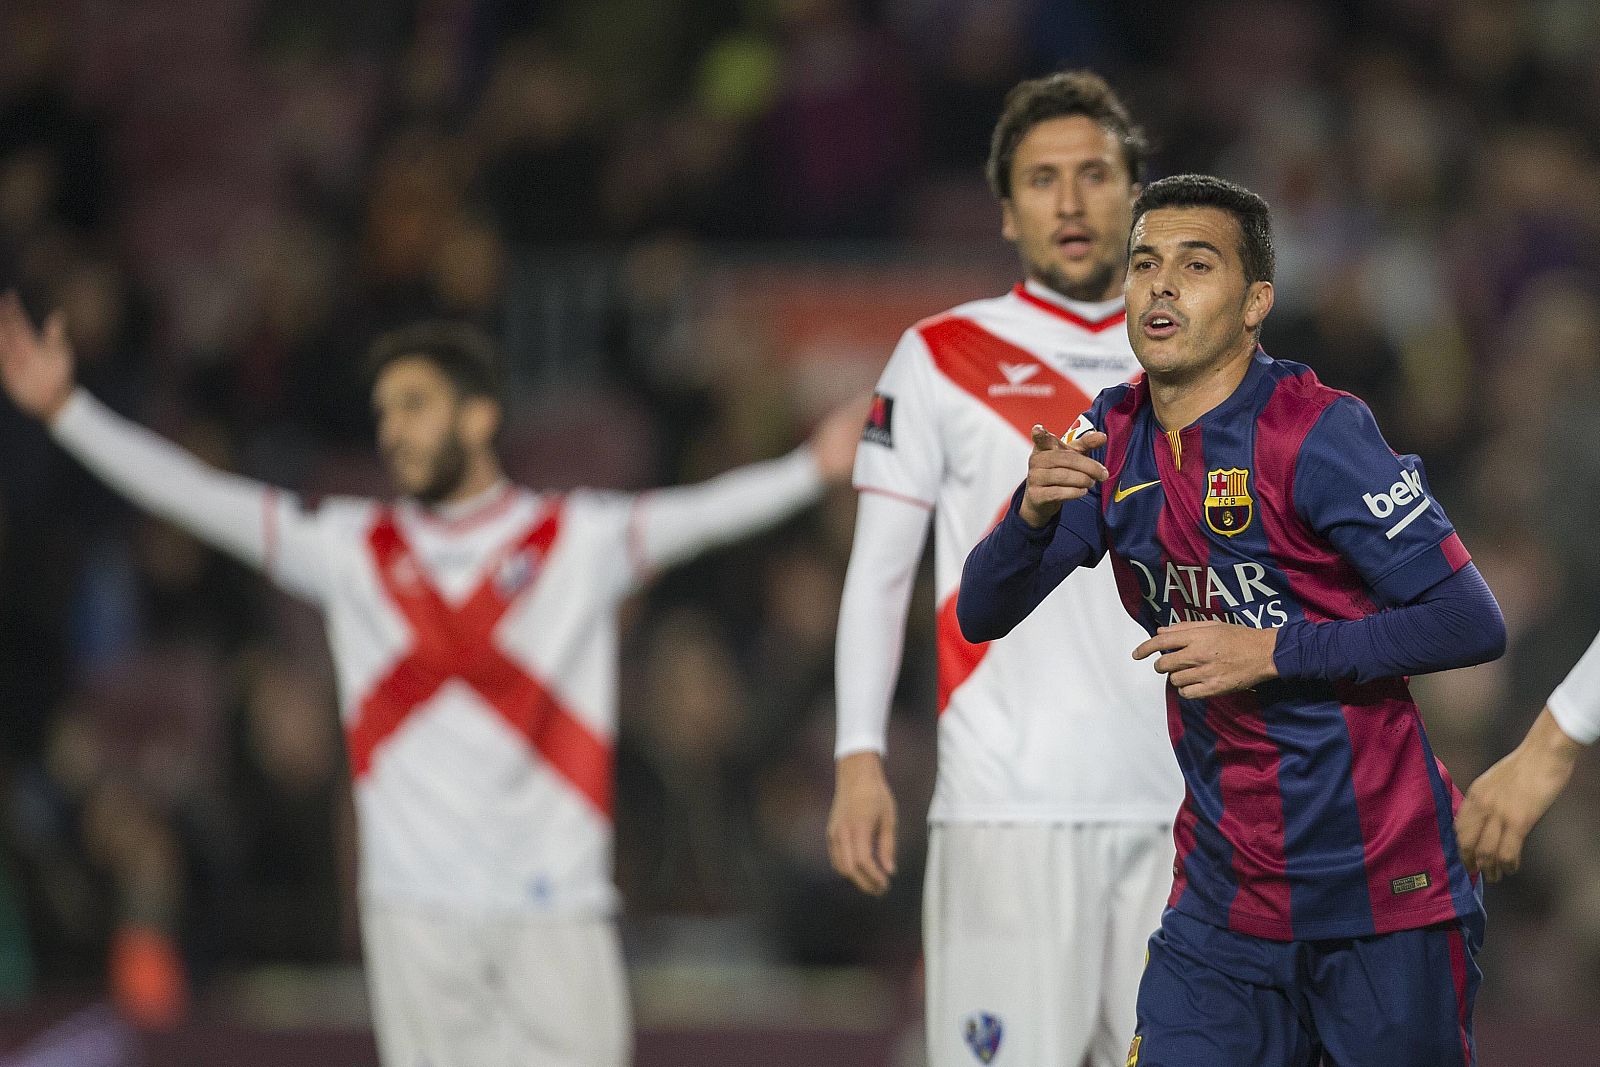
(1122,494)
(1406,493)
(983,1032)
(880,421)
(1078,429)
(1133,1051)
(1229,508)
(1237,594)
(1017,383)
(1409,884)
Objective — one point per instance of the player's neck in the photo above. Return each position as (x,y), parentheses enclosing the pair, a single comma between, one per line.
(1182,398)
(1080,304)
(482,477)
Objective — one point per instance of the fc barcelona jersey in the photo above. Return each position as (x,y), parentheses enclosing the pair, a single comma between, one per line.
(1313,809)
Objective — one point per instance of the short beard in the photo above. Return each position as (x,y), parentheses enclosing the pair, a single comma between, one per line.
(1090,290)
(449,471)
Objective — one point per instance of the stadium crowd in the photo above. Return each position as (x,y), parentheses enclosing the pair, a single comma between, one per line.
(230,197)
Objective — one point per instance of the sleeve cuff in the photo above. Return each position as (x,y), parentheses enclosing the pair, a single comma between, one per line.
(1578,722)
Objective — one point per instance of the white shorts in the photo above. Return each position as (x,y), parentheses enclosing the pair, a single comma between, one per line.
(450,991)
(1034,938)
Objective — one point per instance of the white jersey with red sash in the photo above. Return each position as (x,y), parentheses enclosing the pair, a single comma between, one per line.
(1055,723)
(477,666)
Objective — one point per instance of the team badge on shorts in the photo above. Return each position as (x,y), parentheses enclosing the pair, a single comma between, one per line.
(1228,504)
(1133,1051)
(983,1032)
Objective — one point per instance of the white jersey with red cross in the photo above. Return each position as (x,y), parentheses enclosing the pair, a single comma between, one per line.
(1055,722)
(475,649)
(476,663)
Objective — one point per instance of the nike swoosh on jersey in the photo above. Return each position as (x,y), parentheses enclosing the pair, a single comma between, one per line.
(1132,489)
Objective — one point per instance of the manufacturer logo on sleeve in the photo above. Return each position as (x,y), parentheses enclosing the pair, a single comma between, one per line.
(983,1032)
(1229,508)
(880,421)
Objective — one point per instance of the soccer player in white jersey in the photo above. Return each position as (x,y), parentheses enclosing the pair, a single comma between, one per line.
(1050,849)
(1509,798)
(473,626)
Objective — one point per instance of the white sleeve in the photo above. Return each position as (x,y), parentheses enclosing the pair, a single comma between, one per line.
(1575,704)
(890,533)
(260,525)
(900,451)
(669,526)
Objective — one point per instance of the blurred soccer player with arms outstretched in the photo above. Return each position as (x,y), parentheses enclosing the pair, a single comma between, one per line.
(473,626)
(1052,814)
(1291,570)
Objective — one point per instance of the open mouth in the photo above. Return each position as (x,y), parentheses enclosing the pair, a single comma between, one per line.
(1159,324)
(1075,244)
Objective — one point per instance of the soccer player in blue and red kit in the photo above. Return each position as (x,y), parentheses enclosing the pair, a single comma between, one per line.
(1291,570)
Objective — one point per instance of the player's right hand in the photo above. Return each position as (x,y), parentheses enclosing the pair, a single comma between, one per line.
(36,366)
(1059,471)
(861,826)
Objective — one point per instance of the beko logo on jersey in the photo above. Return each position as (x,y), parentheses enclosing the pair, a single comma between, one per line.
(1407,491)
(1017,383)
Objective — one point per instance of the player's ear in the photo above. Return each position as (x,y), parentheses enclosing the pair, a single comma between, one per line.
(480,420)
(1008,220)
(1257,302)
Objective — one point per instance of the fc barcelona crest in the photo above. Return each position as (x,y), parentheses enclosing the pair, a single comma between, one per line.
(1229,508)
(982,1031)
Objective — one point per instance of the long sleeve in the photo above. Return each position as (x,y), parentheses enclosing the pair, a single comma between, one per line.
(1455,623)
(890,534)
(1575,705)
(253,522)
(1012,570)
(672,525)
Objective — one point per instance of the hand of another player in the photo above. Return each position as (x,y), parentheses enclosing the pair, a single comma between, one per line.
(1509,798)
(1209,658)
(36,366)
(836,436)
(1059,471)
(861,826)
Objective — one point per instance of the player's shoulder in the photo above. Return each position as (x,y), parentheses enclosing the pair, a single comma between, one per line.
(342,512)
(985,309)
(1297,396)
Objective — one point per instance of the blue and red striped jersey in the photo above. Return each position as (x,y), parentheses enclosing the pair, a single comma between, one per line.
(1314,809)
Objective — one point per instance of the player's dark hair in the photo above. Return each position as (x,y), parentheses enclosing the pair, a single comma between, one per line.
(462,353)
(1248,210)
(1058,95)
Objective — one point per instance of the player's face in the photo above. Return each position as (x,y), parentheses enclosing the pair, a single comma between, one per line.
(1070,207)
(1189,307)
(420,429)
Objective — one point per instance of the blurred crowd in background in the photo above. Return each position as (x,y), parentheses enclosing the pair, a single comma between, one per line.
(230,197)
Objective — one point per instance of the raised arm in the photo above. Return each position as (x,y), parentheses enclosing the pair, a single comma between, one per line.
(673,525)
(890,533)
(247,519)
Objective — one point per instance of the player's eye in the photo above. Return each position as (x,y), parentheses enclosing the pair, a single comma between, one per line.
(1143,264)
(1042,179)
(1199,265)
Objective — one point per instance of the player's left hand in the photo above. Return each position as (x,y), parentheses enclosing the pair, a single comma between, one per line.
(1509,798)
(1209,658)
(836,436)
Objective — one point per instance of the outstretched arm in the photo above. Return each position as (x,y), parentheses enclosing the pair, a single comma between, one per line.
(244,518)
(890,533)
(673,525)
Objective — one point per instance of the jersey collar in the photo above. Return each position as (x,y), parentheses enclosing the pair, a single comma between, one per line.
(1094,317)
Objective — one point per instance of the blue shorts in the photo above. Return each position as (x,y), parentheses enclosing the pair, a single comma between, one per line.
(1214,998)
